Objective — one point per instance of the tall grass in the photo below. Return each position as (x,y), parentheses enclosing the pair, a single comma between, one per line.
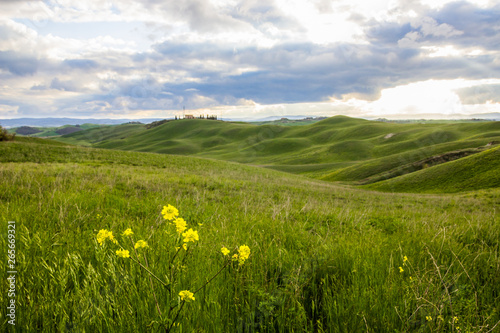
(325,258)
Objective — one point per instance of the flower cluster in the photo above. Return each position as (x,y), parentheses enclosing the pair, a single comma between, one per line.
(225,251)
(123,253)
(180,225)
(171,213)
(105,234)
(184,236)
(405,262)
(186,295)
(190,236)
(127,232)
(242,255)
(140,244)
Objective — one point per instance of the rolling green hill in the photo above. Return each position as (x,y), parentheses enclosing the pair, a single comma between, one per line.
(478,171)
(335,149)
(45,132)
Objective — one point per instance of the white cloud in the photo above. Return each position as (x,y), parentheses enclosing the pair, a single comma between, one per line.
(410,39)
(451,51)
(321,26)
(436,4)
(8,111)
(429,27)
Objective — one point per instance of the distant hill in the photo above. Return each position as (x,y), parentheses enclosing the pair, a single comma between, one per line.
(69,130)
(46,132)
(27,130)
(57,122)
(339,148)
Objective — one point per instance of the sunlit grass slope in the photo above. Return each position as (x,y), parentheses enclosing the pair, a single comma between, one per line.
(324,258)
(474,172)
(102,133)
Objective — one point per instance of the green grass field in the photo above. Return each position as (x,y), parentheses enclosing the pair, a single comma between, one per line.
(325,257)
(338,149)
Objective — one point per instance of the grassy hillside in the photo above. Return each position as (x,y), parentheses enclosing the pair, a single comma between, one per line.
(102,133)
(324,257)
(50,131)
(289,122)
(335,149)
(474,172)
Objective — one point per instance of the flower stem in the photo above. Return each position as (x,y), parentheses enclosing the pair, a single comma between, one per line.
(147,270)
(153,289)
(213,277)
(177,315)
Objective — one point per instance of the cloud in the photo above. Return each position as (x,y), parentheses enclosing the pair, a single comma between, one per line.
(429,27)
(8,111)
(480,94)
(18,63)
(84,64)
(223,53)
(63,85)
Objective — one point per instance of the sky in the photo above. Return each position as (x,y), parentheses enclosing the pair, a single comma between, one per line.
(249,59)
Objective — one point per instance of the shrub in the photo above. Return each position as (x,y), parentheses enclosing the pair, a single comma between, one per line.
(5,136)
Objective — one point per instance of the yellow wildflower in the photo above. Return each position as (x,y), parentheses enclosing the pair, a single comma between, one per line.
(225,251)
(405,259)
(180,224)
(428,318)
(123,253)
(190,236)
(169,212)
(401,270)
(140,244)
(127,232)
(244,252)
(186,295)
(105,234)
(455,319)
(185,246)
